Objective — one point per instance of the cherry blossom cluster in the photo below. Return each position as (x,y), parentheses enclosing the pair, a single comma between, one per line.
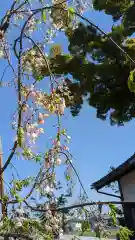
(53,225)
(33,61)
(4,51)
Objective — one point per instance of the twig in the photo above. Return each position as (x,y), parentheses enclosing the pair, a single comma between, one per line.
(10,65)
(75,173)
(12,166)
(3,74)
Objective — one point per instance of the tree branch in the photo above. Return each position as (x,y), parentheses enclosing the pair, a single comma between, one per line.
(19,111)
(79,206)
(9,158)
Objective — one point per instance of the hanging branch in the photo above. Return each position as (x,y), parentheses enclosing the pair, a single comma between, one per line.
(19,112)
(74,169)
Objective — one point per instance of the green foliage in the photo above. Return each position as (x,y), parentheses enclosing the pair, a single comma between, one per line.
(37,158)
(124,233)
(71,10)
(43,13)
(113,213)
(85,226)
(112,7)
(28,226)
(104,78)
(18,186)
(27,153)
(131,81)
(67,177)
(99,72)
(5,198)
(7,226)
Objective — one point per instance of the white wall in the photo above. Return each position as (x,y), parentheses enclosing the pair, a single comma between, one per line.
(78,226)
(128,186)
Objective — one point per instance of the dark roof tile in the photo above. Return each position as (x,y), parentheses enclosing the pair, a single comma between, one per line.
(116,174)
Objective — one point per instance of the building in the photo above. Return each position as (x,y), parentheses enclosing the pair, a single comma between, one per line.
(125,176)
(73,225)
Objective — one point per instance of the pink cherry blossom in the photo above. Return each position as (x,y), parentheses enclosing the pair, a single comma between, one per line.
(32,94)
(45,115)
(41,121)
(65,148)
(58,161)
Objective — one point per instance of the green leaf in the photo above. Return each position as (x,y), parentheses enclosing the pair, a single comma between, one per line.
(18,186)
(63,131)
(43,13)
(113,213)
(39,77)
(85,226)
(51,108)
(12,191)
(38,158)
(5,198)
(18,199)
(27,153)
(41,1)
(131,81)
(67,178)
(71,10)
(26,182)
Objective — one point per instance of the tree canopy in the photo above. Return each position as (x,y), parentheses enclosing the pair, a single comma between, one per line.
(97,69)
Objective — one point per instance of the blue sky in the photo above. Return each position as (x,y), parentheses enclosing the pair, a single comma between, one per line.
(95,144)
